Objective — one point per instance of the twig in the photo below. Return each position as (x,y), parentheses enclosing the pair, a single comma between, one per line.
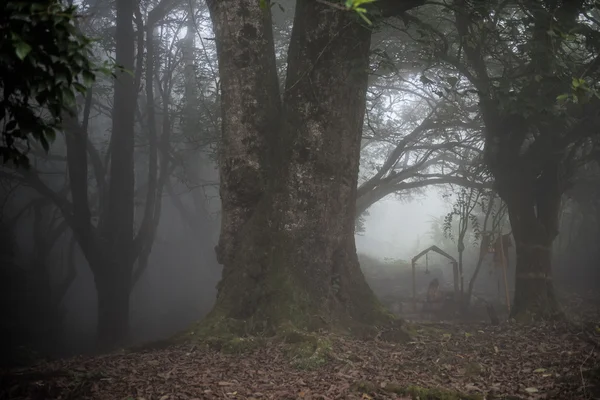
(581,371)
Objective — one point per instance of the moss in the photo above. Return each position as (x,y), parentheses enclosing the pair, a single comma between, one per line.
(291,335)
(304,350)
(240,345)
(214,325)
(414,392)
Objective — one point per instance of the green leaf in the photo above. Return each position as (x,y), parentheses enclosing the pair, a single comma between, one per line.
(362,15)
(68,96)
(22,49)
(263,4)
(79,87)
(61,78)
(354,4)
(563,97)
(577,83)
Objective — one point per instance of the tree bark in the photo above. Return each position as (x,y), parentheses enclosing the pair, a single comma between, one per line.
(117,229)
(289,170)
(533,213)
(113,289)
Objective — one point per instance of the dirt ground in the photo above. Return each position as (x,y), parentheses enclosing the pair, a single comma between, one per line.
(502,362)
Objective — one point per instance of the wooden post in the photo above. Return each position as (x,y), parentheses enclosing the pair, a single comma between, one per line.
(414,286)
(456,284)
(504,267)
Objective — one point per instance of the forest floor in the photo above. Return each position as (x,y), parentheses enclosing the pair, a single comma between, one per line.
(502,362)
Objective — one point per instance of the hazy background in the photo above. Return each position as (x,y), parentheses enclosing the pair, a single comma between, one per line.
(395,228)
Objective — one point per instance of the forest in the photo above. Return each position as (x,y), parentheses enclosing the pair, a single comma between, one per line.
(195,195)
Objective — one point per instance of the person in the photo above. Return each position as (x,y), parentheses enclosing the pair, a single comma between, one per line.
(433,292)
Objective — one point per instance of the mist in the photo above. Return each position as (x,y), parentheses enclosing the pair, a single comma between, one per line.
(215,197)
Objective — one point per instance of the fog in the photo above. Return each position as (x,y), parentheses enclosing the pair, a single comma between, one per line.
(396,228)
(185,185)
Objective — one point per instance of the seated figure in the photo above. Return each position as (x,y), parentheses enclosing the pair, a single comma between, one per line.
(433,292)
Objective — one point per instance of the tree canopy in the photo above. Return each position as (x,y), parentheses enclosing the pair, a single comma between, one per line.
(44,62)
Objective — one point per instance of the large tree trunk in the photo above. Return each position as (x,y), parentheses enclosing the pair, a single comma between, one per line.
(289,173)
(117,231)
(533,212)
(113,287)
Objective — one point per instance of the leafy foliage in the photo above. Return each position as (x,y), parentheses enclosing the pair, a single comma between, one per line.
(357,7)
(44,62)
(463,207)
(468,216)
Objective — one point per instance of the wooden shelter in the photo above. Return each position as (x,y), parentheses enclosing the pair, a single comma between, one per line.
(441,252)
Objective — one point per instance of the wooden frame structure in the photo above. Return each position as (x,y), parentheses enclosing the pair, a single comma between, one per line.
(441,252)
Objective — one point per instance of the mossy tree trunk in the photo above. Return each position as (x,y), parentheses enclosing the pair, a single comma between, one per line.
(289,168)
(534,215)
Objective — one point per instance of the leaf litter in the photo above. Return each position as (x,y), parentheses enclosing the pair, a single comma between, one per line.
(494,362)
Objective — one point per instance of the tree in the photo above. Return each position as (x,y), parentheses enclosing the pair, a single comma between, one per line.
(45,61)
(112,246)
(289,168)
(199,128)
(102,217)
(531,182)
(416,135)
(484,231)
(466,202)
(520,57)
